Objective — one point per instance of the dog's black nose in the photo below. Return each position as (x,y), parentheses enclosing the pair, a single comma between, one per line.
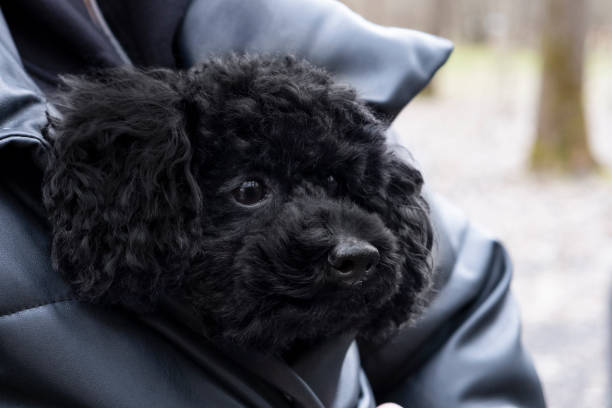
(351,259)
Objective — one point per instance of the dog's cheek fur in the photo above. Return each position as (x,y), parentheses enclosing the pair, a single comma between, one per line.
(406,213)
(123,204)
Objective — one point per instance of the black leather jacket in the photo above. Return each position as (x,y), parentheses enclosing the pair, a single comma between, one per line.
(58,352)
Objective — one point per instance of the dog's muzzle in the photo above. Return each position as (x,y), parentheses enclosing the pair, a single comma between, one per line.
(351,260)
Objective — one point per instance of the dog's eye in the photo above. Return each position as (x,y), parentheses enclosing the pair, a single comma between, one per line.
(332,184)
(250,192)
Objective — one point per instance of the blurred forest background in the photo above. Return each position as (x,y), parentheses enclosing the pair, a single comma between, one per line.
(516,130)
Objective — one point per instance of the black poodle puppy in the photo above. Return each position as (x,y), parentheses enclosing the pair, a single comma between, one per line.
(255,189)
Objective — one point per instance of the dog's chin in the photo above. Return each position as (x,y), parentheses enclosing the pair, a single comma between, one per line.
(281,320)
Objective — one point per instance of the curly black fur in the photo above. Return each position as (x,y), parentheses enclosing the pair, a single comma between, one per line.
(139,193)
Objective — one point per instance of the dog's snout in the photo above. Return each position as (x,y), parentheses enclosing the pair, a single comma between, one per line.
(352,259)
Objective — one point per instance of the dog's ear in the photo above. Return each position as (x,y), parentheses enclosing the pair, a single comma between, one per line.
(409,214)
(123,203)
(406,213)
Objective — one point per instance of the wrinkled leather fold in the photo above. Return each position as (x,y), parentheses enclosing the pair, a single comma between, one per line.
(388,66)
(22,107)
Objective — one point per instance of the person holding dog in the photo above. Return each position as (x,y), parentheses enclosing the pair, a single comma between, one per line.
(58,351)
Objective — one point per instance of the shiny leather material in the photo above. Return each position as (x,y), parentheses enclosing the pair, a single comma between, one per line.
(58,352)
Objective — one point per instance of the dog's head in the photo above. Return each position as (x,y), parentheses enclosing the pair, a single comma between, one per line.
(256,189)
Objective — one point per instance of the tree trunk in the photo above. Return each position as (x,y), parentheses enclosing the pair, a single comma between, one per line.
(561,140)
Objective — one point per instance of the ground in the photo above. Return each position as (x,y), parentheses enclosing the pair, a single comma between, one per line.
(472,139)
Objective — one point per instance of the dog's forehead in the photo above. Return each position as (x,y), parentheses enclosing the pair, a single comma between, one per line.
(288,124)
(296,146)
